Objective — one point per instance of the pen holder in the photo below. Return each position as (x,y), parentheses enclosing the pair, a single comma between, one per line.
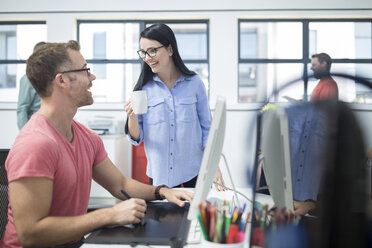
(209,244)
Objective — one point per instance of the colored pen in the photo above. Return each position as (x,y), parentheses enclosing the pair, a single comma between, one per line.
(232,234)
(223,230)
(201,225)
(219,227)
(246,222)
(212,222)
(245,204)
(227,223)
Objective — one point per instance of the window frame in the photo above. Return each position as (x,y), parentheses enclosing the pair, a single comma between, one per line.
(16,61)
(143,24)
(305,60)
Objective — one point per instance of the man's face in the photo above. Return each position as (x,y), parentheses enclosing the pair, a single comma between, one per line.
(318,68)
(80,82)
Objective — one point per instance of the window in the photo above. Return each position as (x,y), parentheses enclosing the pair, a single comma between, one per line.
(110,48)
(192,41)
(17,41)
(99,52)
(274,52)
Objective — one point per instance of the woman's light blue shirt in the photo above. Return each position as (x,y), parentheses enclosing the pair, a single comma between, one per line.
(174,129)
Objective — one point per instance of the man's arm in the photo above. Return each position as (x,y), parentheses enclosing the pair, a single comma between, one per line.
(302,208)
(369,156)
(109,177)
(31,198)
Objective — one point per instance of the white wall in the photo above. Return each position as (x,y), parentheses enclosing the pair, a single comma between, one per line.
(170,5)
(223,16)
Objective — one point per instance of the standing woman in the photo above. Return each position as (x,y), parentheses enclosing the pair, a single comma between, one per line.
(176,125)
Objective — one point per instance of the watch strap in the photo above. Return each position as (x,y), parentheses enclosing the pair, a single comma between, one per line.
(157,189)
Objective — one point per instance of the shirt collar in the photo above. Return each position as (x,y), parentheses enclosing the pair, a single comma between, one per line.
(179,80)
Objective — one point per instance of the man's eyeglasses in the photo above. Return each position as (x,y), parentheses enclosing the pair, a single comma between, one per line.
(151,52)
(77,70)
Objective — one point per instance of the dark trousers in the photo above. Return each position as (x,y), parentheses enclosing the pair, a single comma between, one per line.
(188,184)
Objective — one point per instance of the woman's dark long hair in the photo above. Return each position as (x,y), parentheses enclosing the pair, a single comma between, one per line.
(163,34)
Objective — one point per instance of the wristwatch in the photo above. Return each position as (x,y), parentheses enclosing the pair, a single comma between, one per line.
(157,195)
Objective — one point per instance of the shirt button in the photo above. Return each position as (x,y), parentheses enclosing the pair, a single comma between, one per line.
(171,110)
(171,154)
(303,151)
(305,136)
(300,165)
(298,180)
(171,125)
(171,139)
(171,168)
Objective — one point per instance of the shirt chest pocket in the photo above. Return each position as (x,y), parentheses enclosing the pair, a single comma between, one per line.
(186,109)
(156,111)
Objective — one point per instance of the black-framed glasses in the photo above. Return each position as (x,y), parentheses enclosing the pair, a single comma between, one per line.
(77,70)
(151,52)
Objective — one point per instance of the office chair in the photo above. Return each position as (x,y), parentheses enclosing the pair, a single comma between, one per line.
(3,192)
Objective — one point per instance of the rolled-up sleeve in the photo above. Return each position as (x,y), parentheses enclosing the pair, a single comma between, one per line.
(131,140)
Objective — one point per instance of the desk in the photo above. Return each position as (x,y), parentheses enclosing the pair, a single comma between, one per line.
(227,195)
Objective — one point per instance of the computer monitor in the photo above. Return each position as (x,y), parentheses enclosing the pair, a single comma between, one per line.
(211,157)
(275,148)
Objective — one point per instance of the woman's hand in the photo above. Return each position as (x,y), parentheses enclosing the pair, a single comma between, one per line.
(133,127)
(128,108)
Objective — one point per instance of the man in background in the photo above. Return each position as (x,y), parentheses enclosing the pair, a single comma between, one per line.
(28,100)
(326,87)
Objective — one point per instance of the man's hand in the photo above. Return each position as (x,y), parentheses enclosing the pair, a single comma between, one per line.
(302,208)
(369,156)
(219,179)
(129,212)
(176,196)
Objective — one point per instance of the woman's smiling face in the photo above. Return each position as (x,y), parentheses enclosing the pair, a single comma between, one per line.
(163,55)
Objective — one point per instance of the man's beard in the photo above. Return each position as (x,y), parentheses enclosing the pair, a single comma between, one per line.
(320,74)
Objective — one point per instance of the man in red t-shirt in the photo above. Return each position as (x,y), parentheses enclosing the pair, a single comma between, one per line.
(326,87)
(54,158)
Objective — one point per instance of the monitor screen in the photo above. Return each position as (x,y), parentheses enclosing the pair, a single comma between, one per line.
(211,157)
(276,154)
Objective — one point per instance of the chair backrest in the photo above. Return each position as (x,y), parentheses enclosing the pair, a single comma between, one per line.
(3,192)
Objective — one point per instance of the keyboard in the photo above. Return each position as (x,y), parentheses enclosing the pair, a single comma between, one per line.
(195,234)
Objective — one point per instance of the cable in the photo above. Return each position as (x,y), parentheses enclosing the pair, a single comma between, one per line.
(236,191)
(232,182)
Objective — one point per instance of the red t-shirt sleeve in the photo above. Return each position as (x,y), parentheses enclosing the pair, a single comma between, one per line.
(32,157)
